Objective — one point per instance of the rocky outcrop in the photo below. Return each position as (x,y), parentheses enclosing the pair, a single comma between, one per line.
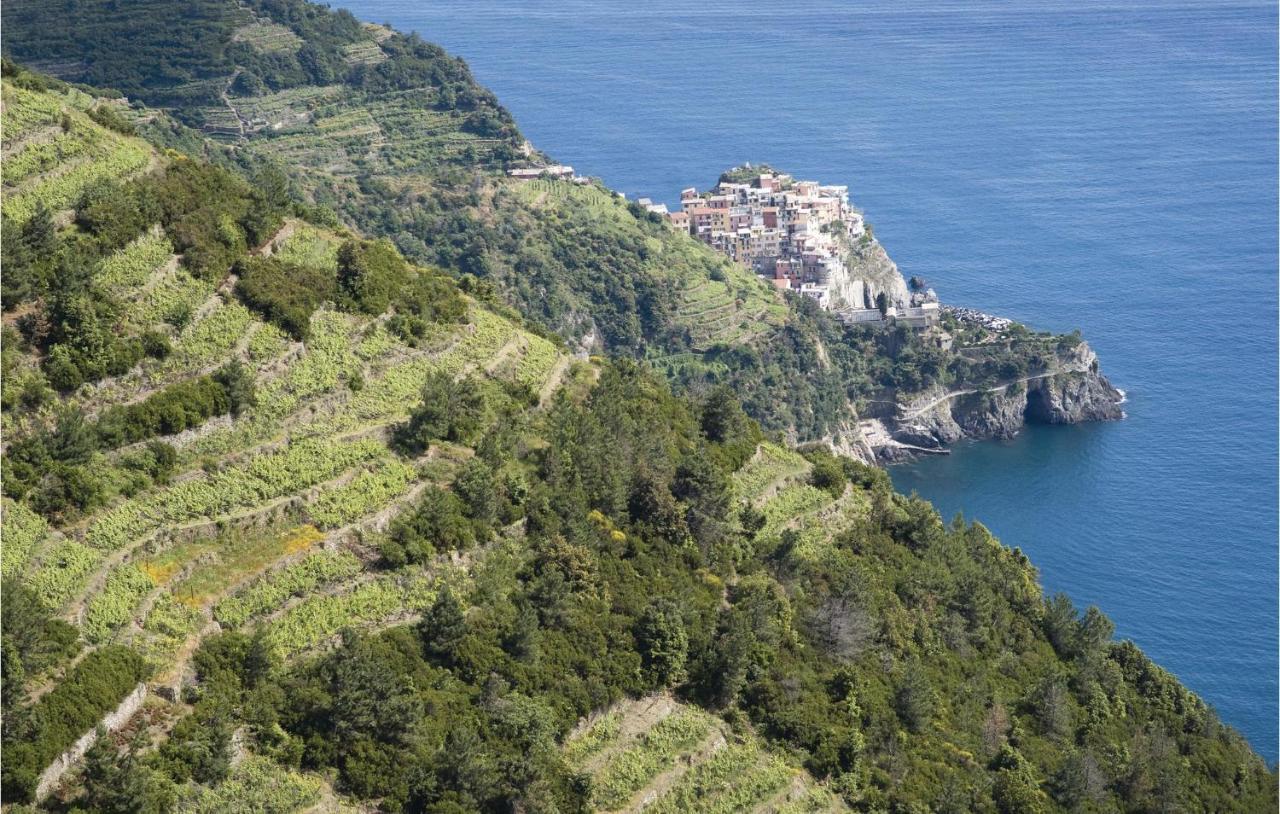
(1071,398)
(868,271)
(1073,391)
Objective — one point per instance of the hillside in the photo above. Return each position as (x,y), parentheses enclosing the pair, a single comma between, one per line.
(395,137)
(659,755)
(277,453)
(308,527)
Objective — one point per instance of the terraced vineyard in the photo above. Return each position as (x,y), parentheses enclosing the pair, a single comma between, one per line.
(268,517)
(656,754)
(53,151)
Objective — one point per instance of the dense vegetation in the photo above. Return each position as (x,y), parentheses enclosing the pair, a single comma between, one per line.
(433,543)
(911,662)
(36,735)
(199,51)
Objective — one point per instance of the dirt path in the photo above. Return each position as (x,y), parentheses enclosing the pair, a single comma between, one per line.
(552,384)
(795,789)
(277,241)
(508,349)
(166,269)
(915,411)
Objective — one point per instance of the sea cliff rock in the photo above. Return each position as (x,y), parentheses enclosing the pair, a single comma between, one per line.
(1072,391)
(867,272)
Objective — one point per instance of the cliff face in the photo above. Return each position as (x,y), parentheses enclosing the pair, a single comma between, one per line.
(1072,392)
(868,271)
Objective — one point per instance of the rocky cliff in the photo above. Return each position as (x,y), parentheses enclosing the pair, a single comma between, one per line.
(868,271)
(1070,392)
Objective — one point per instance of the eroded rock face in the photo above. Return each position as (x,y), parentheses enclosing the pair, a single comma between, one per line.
(999,414)
(1074,397)
(1073,392)
(868,271)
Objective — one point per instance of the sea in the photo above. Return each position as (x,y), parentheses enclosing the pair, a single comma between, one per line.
(1100,164)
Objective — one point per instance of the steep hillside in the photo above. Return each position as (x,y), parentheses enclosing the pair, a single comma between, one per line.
(217,447)
(305,527)
(394,136)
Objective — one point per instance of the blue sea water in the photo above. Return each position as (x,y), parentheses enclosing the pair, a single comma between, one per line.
(1108,166)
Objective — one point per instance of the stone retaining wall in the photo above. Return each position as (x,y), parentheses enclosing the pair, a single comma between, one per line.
(113,720)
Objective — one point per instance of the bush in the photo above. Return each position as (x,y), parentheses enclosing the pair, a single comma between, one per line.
(283,293)
(427,299)
(437,523)
(176,408)
(450,411)
(370,274)
(92,689)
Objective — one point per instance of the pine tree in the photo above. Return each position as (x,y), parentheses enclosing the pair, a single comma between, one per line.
(443,627)
(663,642)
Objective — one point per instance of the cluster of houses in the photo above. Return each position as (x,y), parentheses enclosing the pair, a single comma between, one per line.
(796,234)
(787,231)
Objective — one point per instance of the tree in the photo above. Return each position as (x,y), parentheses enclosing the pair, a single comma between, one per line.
(842,626)
(39,235)
(725,671)
(652,505)
(369,698)
(1052,706)
(1061,626)
(1016,790)
(199,747)
(663,642)
(722,416)
(827,475)
(121,784)
(727,426)
(703,488)
(1078,781)
(237,381)
(269,200)
(995,728)
(437,523)
(12,674)
(1094,632)
(443,627)
(450,411)
(371,274)
(915,699)
(476,488)
(33,638)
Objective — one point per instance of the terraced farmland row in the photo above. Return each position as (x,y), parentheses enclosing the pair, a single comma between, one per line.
(658,755)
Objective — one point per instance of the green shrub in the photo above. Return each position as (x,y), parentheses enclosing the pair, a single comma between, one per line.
(283,293)
(93,688)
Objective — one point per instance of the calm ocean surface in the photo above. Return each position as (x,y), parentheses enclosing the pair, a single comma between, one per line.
(1107,166)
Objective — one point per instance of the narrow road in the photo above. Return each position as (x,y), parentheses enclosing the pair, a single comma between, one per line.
(910,414)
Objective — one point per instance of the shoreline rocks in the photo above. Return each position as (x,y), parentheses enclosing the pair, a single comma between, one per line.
(1074,392)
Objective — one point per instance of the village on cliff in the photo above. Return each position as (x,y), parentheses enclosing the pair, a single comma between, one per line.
(800,235)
